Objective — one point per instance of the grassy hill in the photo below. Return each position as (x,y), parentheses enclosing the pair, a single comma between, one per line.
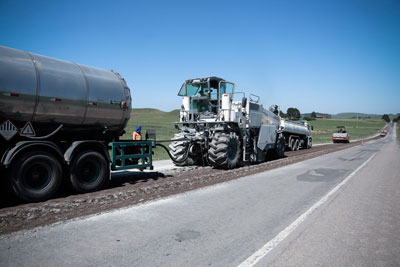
(150,118)
(350,115)
(323,128)
(163,123)
(354,115)
(316,113)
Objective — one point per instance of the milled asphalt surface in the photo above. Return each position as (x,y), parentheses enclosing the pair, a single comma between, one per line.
(222,225)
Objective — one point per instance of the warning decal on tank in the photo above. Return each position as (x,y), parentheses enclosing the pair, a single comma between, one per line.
(28,130)
(8,130)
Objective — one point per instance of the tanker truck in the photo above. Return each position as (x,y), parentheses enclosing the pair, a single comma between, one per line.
(297,134)
(58,120)
(216,129)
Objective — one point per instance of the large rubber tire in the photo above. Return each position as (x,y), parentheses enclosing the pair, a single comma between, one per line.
(224,152)
(293,144)
(36,176)
(308,143)
(297,145)
(280,147)
(178,151)
(89,171)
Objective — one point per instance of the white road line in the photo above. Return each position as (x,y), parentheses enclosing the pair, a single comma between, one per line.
(270,245)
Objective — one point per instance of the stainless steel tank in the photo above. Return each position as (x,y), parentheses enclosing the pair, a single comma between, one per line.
(294,127)
(48,91)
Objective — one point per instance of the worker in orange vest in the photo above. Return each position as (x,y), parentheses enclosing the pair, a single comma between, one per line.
(137,135)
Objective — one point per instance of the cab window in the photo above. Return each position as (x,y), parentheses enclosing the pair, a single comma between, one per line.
(226,88)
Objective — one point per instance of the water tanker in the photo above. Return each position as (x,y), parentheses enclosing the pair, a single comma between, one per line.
(58,119)
(48,92)
(297,134)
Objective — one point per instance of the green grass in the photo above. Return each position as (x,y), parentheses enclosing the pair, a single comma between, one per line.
(162,122)
(323,128)
(354,115)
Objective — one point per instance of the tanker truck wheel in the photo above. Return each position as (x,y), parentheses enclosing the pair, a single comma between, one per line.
(224,152)
(36,176)
(280,147)
(178,151)
(292,144)
(308,142)
(89,171)
(296,145)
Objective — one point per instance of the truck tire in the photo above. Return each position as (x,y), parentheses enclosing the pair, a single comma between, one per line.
(224,152)
(296,145)
(36,176)
(308,143)
(178,150)
(89,171)
(280,147)
(292,144)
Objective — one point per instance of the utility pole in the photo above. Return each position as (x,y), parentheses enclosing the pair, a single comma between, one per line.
(357,121)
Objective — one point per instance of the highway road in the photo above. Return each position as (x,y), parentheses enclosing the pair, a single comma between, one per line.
(340,209)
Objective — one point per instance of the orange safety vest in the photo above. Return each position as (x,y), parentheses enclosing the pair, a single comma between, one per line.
(136,136)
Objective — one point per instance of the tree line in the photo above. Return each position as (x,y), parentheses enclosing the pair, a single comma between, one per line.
(386,118)
(294,114)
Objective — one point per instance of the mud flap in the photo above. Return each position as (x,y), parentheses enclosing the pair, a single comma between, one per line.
(266,136)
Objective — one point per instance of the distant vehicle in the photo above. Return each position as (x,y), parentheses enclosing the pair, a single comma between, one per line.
(383,133)
(341,136)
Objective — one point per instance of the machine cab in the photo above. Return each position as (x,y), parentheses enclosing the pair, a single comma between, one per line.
(202,97)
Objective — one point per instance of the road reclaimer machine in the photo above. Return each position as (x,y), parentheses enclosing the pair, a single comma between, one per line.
(216,129)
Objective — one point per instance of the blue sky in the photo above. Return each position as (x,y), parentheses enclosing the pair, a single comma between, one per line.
(326,56)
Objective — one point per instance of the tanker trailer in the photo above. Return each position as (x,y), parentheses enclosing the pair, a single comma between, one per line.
(297,134)
(57,118)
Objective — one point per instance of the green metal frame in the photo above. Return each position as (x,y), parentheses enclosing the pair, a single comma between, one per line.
(144,157)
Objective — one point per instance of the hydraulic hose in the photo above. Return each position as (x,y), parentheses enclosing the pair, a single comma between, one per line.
(46,136)
(185,156)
